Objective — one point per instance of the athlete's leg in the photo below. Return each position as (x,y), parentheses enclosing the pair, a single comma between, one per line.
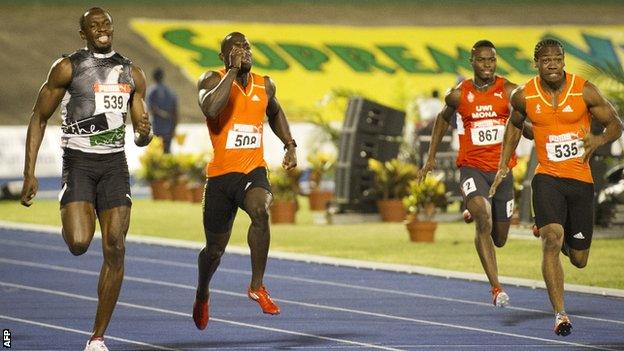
(500,231)
(209,259)
(114,223)
(256,204)
(552,239)
(579,257)
(481,211)
(78,220)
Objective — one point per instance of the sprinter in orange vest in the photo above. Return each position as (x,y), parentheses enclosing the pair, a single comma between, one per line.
(559,105)
(483,105)
(235,102)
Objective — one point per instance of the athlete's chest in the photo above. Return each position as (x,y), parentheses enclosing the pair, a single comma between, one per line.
(477,106)
(570,111)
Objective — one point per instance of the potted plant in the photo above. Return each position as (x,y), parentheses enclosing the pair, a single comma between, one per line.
(285,188)
(422,202)
(197,175)
(392,179)
(321,165)
(155,170)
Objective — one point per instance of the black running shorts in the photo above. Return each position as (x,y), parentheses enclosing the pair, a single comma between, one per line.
(101,179)
(568,202)
(224,194)
(475,182)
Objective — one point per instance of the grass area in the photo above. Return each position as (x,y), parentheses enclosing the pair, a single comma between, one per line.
(381,242)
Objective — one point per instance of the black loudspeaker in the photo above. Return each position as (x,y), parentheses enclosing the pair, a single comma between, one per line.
(365,116)
(370,130)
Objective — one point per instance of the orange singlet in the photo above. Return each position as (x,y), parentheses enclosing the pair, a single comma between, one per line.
(236,134)
(558,130)
(484,115)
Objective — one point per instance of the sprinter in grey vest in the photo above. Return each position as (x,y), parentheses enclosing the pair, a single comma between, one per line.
(96,88)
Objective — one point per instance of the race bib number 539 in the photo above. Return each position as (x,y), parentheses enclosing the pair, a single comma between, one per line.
(111,97)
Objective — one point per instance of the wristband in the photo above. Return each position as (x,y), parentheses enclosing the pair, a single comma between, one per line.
(290,142)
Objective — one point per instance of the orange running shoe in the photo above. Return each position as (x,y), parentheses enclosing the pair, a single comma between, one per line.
(499,297)
(563,326)
(200,313)
(467,216)
(262,297)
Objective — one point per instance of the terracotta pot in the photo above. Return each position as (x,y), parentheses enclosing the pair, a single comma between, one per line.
(160,190)
(283,211)
(391,210)
(319,199)
(421,231)
(197,193)
(181,192)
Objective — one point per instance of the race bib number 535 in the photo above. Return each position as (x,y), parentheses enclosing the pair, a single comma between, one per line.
(564,150)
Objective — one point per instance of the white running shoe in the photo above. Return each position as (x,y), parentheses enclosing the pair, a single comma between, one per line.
(96,345)
(500,297)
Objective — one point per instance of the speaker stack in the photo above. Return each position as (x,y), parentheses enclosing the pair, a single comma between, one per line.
(370,130)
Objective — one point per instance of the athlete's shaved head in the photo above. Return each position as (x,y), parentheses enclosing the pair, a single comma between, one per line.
(229,38)
(481,44)
(91,11)
(544,43)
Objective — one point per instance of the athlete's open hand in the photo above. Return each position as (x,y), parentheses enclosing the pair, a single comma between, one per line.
(590,143)
(500,175)
(29,190)
(429,166)
(290,159)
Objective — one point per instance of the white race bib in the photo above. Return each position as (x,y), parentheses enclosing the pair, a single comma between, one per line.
(244,136)
(111,98)
(564,150)
(487,135)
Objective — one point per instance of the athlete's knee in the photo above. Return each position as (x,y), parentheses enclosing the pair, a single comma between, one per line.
(499,240)
(552,241)
(114,250)
(77,244)
(483,221)
(579,261)
(259,215)
(212,252)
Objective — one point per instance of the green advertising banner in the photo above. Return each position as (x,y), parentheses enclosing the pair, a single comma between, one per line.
(390,65)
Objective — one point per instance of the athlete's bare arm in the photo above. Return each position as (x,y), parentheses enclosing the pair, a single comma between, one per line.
(602,111)
(138,114)
(214,90)
(527,129)
(50,96)
(513,132)
(279,124)
(440,126)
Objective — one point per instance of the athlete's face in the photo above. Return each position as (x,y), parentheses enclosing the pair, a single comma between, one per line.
(550,63)
(240,45)
(484,63)
(98,31)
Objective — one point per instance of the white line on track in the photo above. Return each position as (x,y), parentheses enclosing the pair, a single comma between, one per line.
(313,281)
(188,315)
(341,262)
(58,327)
(298,303)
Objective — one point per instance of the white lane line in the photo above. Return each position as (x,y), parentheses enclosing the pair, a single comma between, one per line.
(58,327)
(334,261)
(315,281)
(188,315)
(304,304)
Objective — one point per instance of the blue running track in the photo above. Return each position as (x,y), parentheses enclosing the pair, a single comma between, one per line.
(48,301)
